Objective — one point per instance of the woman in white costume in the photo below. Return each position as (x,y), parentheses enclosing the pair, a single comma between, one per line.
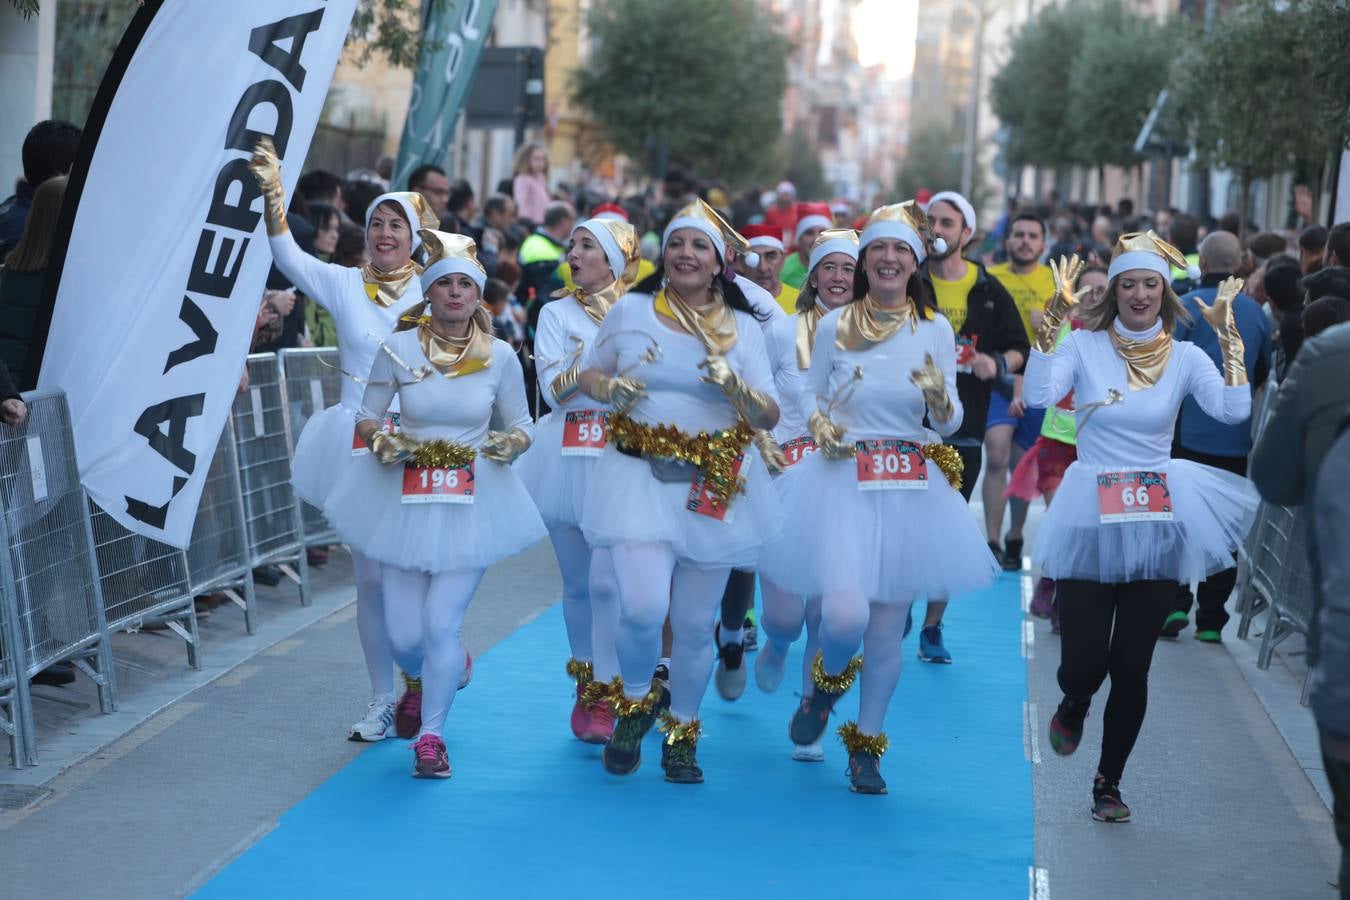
(603,260)
(879,366)
(828,286)
(437,502)
(365,305)
(1129,522)
(678,496)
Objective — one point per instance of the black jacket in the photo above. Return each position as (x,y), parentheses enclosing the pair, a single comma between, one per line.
(994,323)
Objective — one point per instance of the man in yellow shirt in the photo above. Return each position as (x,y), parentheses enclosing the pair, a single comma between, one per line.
(1012,428)
(766,243)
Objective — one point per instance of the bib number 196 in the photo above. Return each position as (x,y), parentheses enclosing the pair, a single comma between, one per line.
(425,484)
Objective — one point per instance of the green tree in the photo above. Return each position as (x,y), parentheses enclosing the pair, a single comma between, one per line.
(698,82)
(25,8)
(933,162)
(803,166)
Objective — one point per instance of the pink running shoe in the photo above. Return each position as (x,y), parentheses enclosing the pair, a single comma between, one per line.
(1043,599)
(468,671)
(408,713)
(581,717)
(431,760)
(601,726)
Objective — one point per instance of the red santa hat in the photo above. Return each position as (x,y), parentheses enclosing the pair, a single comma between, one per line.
(610,211)
(764,237)
(813,215)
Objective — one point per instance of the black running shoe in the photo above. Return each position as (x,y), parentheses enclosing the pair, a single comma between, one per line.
(810,719)
(1106,803)
(623,753)
(1011,559)
(680,762)
(1066,726)
(864,773)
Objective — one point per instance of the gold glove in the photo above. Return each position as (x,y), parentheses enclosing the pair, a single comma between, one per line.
(565,386)
(1219,315)
(828,436)
(504,446)
(754,406)
(391,448)
(1066,274)
(770,452)
(931,382)
(266,168)
(619,392)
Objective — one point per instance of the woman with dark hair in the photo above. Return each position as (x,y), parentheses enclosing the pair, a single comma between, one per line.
(881,366)
(679,497)
(364,303)
(1129,522)
(437,502)
(327,222)
(23,275)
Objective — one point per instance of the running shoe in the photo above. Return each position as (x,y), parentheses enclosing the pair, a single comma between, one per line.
(468,671)
(1210,636)
(931,649)
(731,675)
(770,666)
(864,773)
(1106,803)
(601,725)
(430,758)
(661,680)
(623,753)
(808,752)
(809,722)
(680,762)
(1174,625)
(378,720)
(1043,598)
(581,715)
(1011,558)
(751,641)
(1066,725)
(408,713)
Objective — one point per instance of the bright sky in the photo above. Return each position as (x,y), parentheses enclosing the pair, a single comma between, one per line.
(884,30)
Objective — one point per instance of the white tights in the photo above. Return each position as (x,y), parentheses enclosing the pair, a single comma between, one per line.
(370,624)
(654,583)
(849,619)
(590,599)
(424,614)
(782,620)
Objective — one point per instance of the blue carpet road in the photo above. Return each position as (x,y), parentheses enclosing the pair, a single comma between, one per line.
(531,813)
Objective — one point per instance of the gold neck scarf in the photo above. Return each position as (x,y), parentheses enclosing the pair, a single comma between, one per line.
(807,322)
(1146,360)
(866,322)
(713,324)
(596,305)
(386,288)
(453,357)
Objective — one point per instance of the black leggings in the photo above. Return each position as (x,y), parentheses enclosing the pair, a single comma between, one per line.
(737,598)
(1111,629)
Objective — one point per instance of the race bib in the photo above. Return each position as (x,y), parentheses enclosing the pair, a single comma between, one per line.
(798,449)
(703,503)
(890,466)
(1133,497)
(965,351)
(584,432)
(359,447)
(425,484)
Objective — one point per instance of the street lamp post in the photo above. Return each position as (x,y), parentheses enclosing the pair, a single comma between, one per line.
(973,106)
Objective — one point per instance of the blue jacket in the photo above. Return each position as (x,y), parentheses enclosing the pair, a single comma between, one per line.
(1196,430)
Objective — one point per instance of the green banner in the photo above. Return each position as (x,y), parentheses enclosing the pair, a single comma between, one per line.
(454,32)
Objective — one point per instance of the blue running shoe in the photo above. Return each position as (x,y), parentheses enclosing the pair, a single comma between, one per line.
(930,645)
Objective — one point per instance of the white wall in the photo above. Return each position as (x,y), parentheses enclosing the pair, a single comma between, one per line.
(26,53)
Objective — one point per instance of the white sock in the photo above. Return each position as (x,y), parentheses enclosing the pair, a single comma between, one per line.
(663,661)
(730,637)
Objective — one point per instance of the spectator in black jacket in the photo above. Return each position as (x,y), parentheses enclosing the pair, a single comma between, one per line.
(23,279)
(48,151)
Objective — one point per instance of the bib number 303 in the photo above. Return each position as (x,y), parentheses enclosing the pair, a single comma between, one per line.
(426,484)
(1133,497)
(890,466)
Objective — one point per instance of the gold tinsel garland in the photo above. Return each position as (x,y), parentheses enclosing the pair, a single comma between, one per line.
(625,706)
(714,455)
(602,691)
(857,742)
(442,454)
(678,732)
(948,460)
(580,672)
(835,684)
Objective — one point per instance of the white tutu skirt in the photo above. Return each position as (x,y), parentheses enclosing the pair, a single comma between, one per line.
(626,504)
(889,546)
(1212,512)
(557,483)
(367,509)
(322,454)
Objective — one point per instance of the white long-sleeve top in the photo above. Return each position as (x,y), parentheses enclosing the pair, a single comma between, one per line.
(455,409)
(885,403)
(341,290)
(762,302)
(563,336)
(780,342)
(675,395)
(1137,431)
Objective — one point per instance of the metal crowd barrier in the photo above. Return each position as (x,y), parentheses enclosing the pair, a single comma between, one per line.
(219,558)
(276,530)
(51,599)
(313,383)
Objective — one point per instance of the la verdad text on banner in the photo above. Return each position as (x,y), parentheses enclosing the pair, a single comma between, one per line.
(160,282)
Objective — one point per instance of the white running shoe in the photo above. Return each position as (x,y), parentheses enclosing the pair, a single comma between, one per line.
(808,752)
(378,721)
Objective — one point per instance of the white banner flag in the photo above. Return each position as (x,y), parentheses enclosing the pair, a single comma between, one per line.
(167,255)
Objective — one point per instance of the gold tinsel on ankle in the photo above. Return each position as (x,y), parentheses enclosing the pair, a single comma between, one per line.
(624,706)
(580,672)
(412,682)
(442,454)
(602,691)
(678,732)
(835,684)
(857,742)
(948,460)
